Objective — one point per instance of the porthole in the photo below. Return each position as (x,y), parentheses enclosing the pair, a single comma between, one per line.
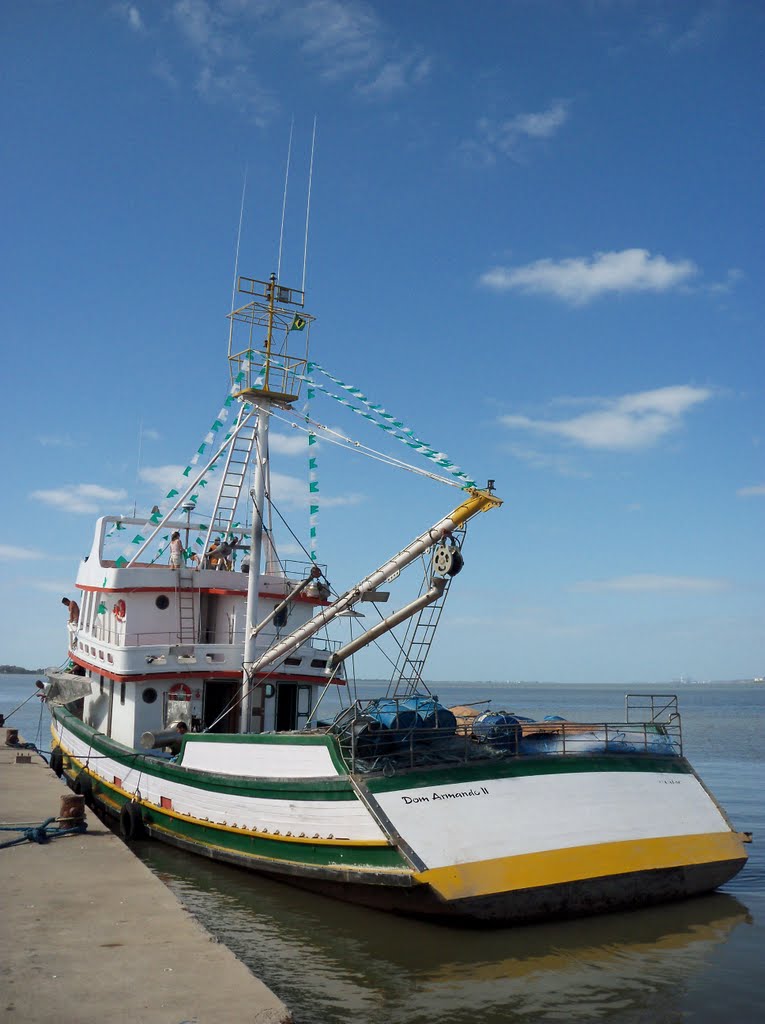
(149,695)
(162,602)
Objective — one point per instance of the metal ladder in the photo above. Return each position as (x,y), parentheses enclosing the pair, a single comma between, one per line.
(185,589)
(407,674)
(234,478)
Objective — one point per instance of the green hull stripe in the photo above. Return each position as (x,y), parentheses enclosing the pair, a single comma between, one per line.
(254,845)
(277,789)
(520,767)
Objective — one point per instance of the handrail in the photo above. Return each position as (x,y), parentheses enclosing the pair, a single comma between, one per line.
(369,746)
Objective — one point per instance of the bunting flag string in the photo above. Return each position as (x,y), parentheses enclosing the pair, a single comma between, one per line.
(313,480)
(378,415)
(313,491)
(158,513)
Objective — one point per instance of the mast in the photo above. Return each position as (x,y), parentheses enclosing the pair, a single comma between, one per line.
(265,381)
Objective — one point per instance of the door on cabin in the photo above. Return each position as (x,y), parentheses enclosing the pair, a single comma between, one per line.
(293,705)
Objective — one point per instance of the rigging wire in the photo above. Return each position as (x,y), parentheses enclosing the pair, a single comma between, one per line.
(238,241)
(308,204)
(284,200)
(346,442)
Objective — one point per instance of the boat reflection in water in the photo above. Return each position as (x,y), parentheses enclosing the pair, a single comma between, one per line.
(353,964)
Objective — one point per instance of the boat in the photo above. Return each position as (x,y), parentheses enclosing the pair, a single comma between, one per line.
(189,708)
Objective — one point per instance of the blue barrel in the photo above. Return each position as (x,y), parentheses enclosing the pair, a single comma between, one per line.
(499,729)
(431,715)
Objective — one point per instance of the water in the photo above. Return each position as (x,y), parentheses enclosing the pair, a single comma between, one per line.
(333,963)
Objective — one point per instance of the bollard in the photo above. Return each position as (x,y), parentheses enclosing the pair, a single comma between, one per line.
(12,738)
(72,808)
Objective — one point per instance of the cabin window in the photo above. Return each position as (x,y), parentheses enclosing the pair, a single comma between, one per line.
(100,684)
(318,663)
(162,602)
(269,689)
(122,693)
(280,619)
(149,695)
(292,661)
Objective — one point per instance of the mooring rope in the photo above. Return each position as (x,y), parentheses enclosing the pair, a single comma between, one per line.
(41,833)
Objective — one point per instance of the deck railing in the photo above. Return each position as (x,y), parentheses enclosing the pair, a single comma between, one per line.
(369,745)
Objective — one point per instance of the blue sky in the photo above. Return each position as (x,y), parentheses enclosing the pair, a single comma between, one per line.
(535,236)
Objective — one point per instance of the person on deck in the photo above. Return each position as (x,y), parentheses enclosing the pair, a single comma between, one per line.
(224,553)
(176,551)
(74,610)
(213,555)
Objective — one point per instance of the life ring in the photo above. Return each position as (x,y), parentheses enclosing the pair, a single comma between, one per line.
(131,821)
(119,611)
(179,691)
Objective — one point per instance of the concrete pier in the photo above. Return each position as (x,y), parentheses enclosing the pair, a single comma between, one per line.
(89,934)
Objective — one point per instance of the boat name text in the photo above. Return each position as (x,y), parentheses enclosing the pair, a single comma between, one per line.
(457,795)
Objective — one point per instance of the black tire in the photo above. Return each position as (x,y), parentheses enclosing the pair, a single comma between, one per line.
(56,763)
(84,787)
(131,821)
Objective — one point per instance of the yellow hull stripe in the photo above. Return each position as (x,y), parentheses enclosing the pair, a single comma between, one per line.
(555,867)
(262,833)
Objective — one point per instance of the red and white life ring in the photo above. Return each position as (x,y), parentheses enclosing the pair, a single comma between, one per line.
(119,611)
(179,691)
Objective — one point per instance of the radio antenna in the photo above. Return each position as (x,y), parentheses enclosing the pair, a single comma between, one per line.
(238,240)
(284,200)
(308,204)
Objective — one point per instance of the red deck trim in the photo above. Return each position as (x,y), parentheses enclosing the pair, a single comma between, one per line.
(202,674)
(221,591)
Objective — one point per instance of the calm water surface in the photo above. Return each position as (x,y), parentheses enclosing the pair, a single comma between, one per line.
(702,960)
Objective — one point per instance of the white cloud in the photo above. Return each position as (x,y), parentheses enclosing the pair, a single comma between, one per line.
(340,39)
(239,86)
(622,424)
(292,490)
(56,441)
(345,37)
(131,15)
(646,583)
(14,553)
(51,586)
(495,138)
(149,434)
(749,492)
(295,443)
(343,499)
(728,283)
(704,24)
(80,498)
(580,280)
(163,477)
(543,460)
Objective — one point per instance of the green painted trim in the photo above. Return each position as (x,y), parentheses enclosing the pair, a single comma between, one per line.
(520,767)
(210,837)
(277,789)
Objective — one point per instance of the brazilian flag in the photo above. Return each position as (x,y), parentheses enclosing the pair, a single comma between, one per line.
(298,323)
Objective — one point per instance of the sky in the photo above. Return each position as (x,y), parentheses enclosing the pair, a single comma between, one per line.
(535,237)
